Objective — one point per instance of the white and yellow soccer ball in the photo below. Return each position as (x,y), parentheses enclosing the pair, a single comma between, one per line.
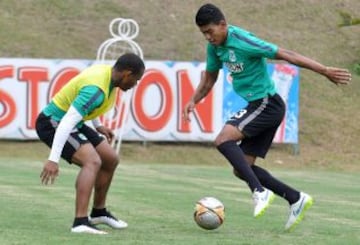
(209,213)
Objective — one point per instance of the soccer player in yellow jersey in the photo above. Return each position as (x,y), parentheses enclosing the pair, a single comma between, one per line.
(61,126)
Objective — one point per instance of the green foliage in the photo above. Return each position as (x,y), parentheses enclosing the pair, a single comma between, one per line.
(357,68)
(348,19)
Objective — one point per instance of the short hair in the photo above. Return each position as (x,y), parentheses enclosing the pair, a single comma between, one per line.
(209,14)
(130,62)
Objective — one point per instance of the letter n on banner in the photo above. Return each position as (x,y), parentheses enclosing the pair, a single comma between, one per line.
(203,112)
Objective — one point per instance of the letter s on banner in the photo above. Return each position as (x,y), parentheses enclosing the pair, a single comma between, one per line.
(8,112)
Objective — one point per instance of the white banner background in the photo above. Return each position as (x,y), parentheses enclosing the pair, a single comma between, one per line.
(26,86)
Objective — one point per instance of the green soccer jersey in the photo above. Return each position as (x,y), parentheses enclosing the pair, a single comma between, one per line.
(244,55)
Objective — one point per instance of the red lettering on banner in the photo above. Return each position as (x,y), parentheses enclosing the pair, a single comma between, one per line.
(60,79)
(8,104)
(203,111)
(9,109)
(155,122)
(32,76)
(6,71)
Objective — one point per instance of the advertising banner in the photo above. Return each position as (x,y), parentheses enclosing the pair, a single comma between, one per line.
(156,104)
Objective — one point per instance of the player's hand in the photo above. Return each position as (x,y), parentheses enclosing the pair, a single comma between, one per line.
(49,173)
(107,132)
(189,108)
(338,75)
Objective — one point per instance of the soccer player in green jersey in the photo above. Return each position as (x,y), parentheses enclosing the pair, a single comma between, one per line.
(61,126)
(245,56)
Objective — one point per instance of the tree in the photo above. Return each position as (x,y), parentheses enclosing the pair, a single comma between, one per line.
(349,20)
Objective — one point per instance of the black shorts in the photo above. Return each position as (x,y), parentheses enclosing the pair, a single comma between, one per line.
(259,122)
(46,128)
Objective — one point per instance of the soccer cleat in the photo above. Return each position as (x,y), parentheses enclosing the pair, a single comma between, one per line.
(108,219)
(262,200)
(87,228)
(297,210)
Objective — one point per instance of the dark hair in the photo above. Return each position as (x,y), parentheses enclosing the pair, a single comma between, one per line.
(130,62)
(208,14)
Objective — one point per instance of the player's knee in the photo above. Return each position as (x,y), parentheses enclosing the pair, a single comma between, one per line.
(86,157)
(237,174)
(114,160)
(110,162)
(228,133)
(93,163)
(220,139)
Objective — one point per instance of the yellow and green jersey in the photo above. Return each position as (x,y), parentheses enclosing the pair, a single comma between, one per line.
(91,93)
(244,55)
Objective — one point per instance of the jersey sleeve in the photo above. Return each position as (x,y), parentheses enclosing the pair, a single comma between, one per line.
(256,47)
(88,99)
(213,63)
(66,125)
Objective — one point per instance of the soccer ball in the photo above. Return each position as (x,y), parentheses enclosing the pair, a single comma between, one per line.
(209,213)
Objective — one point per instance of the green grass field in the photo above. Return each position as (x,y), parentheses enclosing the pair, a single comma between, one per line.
(157,200)
(156,187)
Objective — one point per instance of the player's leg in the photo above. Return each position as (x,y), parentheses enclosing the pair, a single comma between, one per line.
(99,213)
(240,127)
(274,184)
(258,146)
(89,162)
(77,150)
(226,144)
(299,201)
(109,161)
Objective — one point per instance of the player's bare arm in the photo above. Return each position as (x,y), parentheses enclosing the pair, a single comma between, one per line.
(334,74)
(107,132)
(204,87)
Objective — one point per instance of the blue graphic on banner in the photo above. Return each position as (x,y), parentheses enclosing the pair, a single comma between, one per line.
(286,79)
